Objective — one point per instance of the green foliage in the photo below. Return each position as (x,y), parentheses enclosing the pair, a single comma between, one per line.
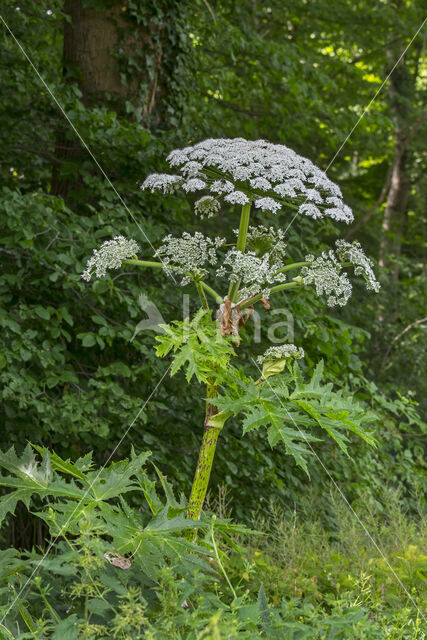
(295,581)
(74,496)
(292,410)
(197,346)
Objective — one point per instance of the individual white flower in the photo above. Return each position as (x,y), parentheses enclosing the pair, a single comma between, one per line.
(239,173)
(236,197)
(188,254)
(267,204)
(207,206)
(177,157)
(110,255)
(296,173)
(191,169)
(344,213)
(296,183)
(164,182)
(313,195)
(276,172)
(354,254)
(334,200)
(325,272)
(257,169)
(281,352)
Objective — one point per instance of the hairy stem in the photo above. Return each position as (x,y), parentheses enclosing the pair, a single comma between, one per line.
(204,463)
(240,246)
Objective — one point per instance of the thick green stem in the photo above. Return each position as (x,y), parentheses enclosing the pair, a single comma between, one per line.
(151,263)
(144,263)
(202,295)
(258,296)
(206,456)
(212,292)
(240,245)
(294,265)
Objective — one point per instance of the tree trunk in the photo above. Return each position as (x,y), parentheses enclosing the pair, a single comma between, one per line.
(401,91)
(394,213)
(118,56)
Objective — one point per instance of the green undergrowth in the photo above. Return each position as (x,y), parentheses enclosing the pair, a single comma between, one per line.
(356,575)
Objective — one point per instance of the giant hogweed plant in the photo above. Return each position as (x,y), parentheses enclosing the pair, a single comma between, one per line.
(249,269)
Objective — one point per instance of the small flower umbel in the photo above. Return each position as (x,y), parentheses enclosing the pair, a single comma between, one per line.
(275,359)
(255,176)
(188,255)
(110,255)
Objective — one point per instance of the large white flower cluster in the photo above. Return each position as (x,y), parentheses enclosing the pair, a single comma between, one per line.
(110,255)
(281,352)
(188,254)
(325,272)
(254,273)
(237,170)
(353,253)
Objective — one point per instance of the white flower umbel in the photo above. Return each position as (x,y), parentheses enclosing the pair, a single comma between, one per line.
(207,207)
(325,272)
(162,182)
(110,255)
(354,254)
(236,197)
(254,273)
(188,254)
(267,204)
(271,175)
(281,352)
